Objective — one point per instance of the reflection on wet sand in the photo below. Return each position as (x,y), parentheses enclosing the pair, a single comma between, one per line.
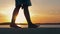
(26,26)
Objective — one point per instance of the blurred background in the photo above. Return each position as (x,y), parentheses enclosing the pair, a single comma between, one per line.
(41,11)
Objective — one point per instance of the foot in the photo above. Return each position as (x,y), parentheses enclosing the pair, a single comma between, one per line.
(32,26)
(14,26)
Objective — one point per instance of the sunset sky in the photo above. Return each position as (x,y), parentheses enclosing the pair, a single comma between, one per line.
(41,11)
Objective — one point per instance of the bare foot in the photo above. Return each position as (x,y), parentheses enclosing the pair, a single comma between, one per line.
(14,26)
(32,26)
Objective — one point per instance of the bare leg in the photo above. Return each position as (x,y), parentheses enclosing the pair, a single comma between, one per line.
(26,13)
(15,13)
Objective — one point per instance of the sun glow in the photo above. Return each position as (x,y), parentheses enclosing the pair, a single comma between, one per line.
(20,18)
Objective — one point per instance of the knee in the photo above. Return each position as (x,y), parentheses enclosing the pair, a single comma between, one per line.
(17,7)
(25,7)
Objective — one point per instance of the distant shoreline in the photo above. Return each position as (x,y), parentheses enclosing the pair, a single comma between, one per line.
(7,23)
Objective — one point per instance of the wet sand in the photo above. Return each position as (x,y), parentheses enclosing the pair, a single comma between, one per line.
(26,26)
(29,31)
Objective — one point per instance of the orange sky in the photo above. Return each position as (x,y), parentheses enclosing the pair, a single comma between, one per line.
(41,11)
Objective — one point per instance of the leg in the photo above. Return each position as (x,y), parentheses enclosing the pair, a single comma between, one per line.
(26,13)
(15,13)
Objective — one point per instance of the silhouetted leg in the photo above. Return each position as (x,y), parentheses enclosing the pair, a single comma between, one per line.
(26,13)
(15,13)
